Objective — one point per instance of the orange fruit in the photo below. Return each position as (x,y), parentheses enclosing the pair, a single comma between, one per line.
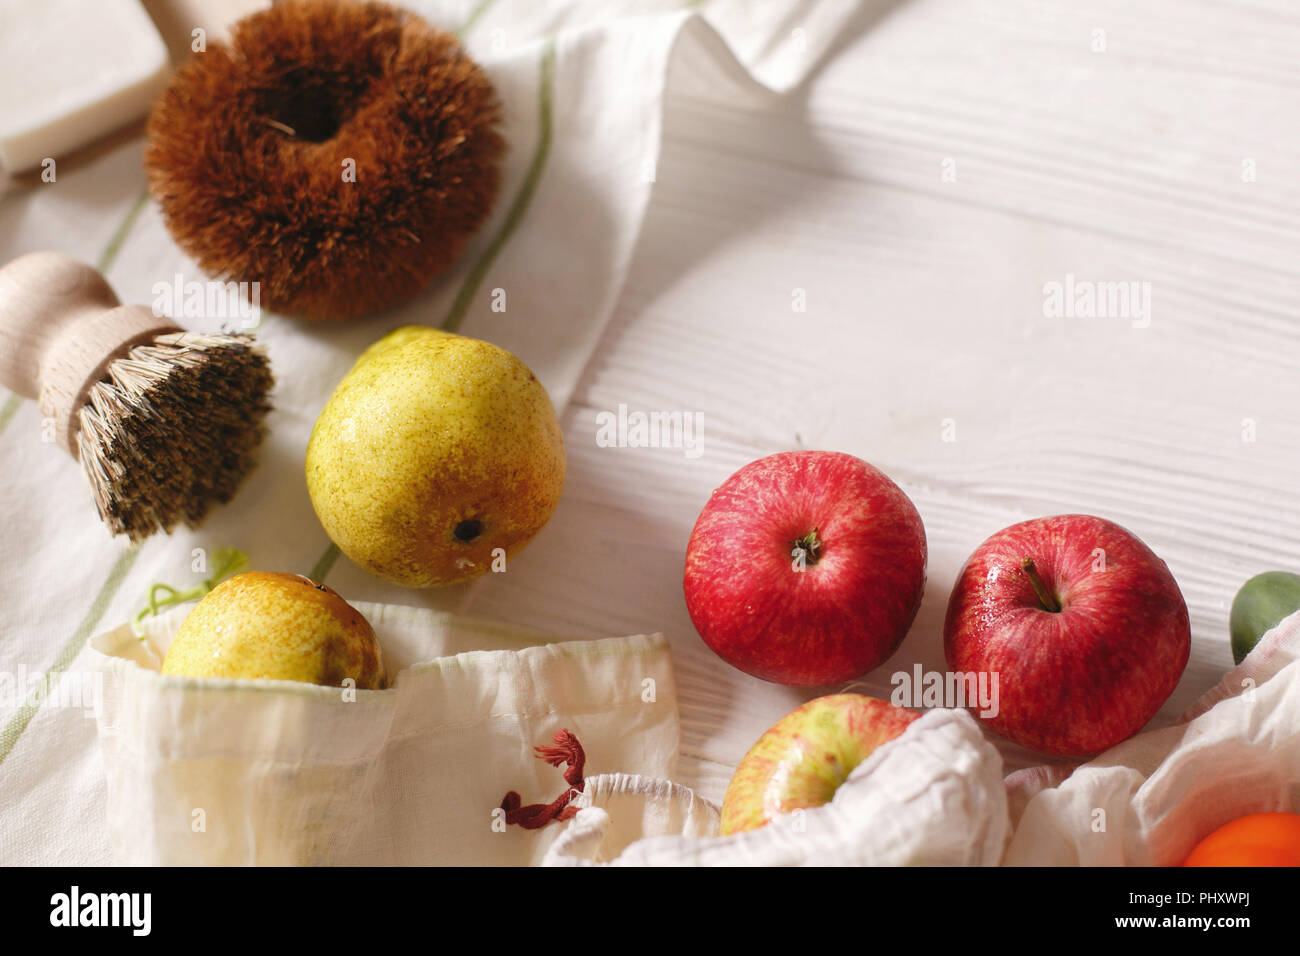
(1261,839)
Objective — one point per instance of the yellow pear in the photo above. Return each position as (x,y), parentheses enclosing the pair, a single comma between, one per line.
(437,458)
(277,627)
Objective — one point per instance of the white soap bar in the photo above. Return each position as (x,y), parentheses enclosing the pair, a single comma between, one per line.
(72,71)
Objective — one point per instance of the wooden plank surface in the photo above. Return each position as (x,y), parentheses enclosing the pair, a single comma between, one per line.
(1167,158)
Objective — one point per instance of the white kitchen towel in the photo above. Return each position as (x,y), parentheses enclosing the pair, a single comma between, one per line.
(584,85)
(932,797)
(246,772)
(1149,800)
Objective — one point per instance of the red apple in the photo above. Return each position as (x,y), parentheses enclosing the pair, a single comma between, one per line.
(1084,626)
(804,757)
(805,568)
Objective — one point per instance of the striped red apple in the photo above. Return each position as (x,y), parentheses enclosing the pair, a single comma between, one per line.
(806,568)
(1083,624)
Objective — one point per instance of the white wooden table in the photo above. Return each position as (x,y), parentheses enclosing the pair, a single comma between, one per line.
(953,160)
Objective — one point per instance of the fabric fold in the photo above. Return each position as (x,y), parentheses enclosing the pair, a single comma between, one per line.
(1149,800)
(931,797)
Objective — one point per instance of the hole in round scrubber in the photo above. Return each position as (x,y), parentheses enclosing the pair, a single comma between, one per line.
(313,112)
(467,531)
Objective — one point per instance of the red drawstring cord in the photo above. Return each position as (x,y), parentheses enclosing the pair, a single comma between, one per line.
(566,750)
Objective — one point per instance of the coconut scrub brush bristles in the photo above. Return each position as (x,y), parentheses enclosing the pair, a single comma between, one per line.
(173,429)
(339,153)
(165,422)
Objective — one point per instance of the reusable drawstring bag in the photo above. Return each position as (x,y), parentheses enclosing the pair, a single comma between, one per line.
(935,795)
(287,773)
(230,772)
(1151,799)
(932,796)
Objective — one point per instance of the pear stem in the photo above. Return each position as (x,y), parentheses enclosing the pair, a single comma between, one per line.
(1045,597)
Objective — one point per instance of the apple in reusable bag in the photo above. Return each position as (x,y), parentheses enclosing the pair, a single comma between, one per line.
(805,756)
(1083,624)
(805,568)
(276,627)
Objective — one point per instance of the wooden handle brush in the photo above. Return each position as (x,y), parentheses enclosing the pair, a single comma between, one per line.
(164,421)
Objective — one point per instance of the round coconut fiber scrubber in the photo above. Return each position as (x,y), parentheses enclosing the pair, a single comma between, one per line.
(339,153)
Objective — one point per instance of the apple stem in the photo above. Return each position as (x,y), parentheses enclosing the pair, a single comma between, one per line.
(810,545)
(1045,597)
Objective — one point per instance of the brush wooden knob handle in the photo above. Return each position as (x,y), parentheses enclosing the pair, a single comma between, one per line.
(60,327)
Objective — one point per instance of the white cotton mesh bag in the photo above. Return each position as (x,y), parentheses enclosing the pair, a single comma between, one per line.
(282,773)
(935,795)
(241,772)
(1151,799)
(931,797)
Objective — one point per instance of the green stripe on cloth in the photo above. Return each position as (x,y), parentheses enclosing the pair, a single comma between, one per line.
(13,730)
(523,198)
(469,288)
(325,562)
(109,255)
(10,408)
(474,16)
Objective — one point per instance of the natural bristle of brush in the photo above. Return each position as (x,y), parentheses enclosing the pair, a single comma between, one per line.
(172,428)
(341,154)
